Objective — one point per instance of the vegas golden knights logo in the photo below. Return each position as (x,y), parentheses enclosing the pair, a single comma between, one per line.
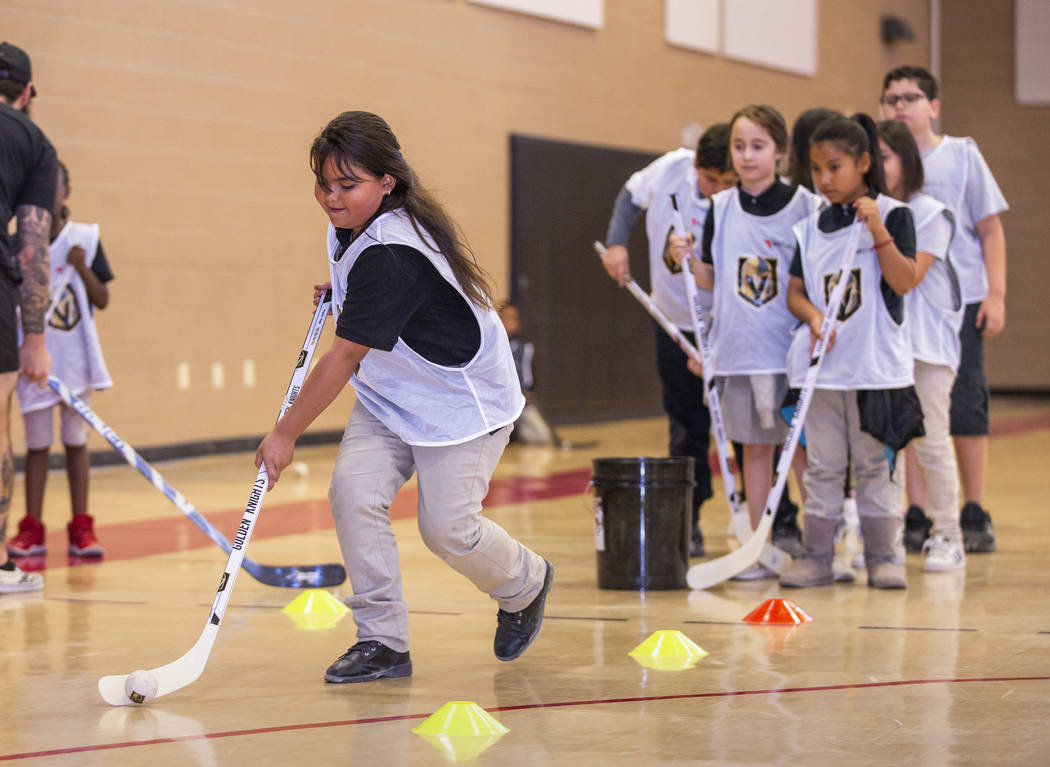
(756,279)
(669,262)
(302,359)
(851,300)
(67,311)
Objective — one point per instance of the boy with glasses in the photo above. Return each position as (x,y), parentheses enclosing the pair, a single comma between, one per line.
(958,176)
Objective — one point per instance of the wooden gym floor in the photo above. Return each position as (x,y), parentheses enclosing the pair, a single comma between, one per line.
(954,670)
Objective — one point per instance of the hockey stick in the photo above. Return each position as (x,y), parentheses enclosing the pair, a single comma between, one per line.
(184,671)
(707,574)
(285,576)
(772,557)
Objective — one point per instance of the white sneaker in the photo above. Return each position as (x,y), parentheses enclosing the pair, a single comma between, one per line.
(942,554)
(756,572)
(19,580)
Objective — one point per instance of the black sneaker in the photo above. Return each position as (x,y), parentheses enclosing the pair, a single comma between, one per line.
(366,661)
(786,533)
(917,528)
(976,524)
(696,543)
(516,631)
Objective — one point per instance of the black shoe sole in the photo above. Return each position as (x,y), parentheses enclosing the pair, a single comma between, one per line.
(548,581)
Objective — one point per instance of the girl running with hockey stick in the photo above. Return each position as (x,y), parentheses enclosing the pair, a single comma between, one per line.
(747,246)
(935,314)
(868,372)
(419,340)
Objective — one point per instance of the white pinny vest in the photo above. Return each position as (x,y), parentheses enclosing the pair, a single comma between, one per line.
(678,177)
(871,351)
(934,308)
(422,402)
(70,335)
(752,254)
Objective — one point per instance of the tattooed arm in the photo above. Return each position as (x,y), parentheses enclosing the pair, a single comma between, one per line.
(34,227)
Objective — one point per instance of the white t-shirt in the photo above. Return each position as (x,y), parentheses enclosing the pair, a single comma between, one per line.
(651,189)
(934,307)
(957,175)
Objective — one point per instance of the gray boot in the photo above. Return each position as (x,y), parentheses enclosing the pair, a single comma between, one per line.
(880,537)
(814,567)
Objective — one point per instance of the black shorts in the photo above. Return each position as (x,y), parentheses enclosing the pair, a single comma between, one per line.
(969,411)
(8,326)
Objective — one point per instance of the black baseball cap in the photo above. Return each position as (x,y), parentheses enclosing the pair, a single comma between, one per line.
(14,65)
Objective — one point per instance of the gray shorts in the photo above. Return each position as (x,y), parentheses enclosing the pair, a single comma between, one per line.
(751,407)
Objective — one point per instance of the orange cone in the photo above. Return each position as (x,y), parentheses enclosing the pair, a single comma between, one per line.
(782,611)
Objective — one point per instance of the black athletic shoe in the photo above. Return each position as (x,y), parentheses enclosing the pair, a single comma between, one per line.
(786,533)
(917,528)
(366,661)
(696,543)
(516,631)
(976,524)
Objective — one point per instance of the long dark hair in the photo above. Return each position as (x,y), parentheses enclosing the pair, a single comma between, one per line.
(798,163)
(899,139)
(365,141)
(855,136)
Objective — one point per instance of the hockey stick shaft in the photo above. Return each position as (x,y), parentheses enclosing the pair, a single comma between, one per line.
(186,669)
(707,574)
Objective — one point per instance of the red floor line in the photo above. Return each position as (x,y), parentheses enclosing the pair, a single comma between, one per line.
(522,707)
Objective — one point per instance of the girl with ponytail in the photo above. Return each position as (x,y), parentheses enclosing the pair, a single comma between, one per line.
(864,397)
(437,395)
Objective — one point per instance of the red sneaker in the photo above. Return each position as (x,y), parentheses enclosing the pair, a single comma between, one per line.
(30,538)
(82,540)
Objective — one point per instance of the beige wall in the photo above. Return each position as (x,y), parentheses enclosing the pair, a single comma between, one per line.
(186,125)
(978,100)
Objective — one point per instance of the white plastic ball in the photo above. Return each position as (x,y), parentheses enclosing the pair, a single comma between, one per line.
(141,687)
(299,469)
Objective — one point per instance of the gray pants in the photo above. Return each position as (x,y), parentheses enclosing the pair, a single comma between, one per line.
(833,438)
(372,465)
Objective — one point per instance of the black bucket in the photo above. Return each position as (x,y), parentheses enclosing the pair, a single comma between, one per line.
(642,514)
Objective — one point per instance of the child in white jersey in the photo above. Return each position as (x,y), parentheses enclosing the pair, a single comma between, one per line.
(79,273)
(693,177)
(437,393)
(934,310)
(957,175)
(868,367)
(747,246)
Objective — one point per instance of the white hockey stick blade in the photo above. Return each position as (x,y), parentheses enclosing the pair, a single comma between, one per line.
(171,677)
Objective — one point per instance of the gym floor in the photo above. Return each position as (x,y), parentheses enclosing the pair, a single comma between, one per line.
(954,670)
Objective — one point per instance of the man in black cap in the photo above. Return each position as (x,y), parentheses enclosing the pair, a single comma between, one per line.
(28,177)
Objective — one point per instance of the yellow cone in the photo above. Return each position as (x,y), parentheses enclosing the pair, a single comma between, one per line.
(315,609)
(460,729)
(668,651)
(460,718)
